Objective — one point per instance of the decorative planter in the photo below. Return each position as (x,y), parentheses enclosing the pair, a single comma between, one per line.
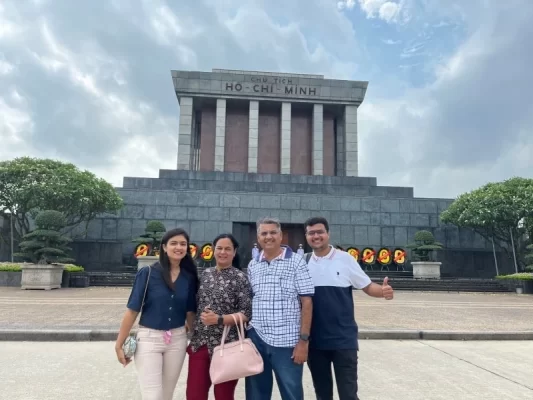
(524,287)
(65,279)
(75,279)
(79,279)
(426,269)
(144,261)
(37,276)
(10,278)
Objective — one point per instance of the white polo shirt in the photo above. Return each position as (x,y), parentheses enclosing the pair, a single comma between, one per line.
(334,276)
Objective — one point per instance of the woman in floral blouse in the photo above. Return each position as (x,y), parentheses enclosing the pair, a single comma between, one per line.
(224,290)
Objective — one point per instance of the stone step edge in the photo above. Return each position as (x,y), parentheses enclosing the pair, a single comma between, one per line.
(104,335)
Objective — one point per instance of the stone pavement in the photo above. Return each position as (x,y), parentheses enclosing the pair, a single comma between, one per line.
(389,370)
(102,308)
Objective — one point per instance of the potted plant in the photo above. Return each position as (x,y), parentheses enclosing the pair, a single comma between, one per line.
(75,276)
(522,282)
(423,248)
(45,247)
(147,251)
(10,274)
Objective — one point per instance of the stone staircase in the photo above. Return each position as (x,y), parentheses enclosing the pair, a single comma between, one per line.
(399,280)
(403,280)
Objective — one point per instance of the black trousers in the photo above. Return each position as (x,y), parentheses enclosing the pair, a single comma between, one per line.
(345,366)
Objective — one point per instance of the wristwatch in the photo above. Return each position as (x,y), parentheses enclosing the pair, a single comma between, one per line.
(220,320)
(304,337)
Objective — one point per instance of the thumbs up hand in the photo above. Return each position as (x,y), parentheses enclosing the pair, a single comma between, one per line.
(388,292)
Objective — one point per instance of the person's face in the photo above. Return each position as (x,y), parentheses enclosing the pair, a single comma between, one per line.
(176,248)
(269,236)
(317,236)
(224,252)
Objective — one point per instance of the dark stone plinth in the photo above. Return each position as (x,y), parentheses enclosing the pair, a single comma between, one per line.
(10,278)
(205,204)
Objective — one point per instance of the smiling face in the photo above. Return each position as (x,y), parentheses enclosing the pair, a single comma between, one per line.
(317,237)
(176,248)
(269,237)
(224,252)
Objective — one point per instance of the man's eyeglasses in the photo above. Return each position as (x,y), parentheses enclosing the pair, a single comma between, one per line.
(313,233)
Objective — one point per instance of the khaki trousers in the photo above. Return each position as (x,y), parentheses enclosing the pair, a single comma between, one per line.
(158,364)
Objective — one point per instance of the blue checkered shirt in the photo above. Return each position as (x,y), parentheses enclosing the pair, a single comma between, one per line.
(276,289)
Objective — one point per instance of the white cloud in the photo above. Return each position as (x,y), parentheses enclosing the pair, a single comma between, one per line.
(16,128)
(388,11)
(471,124)
(5,67)
(101,95)
(349,4)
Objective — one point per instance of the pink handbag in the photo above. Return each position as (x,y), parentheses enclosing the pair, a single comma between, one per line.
(235,360)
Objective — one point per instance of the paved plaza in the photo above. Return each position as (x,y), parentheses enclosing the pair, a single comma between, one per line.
(389,370)
(102,308)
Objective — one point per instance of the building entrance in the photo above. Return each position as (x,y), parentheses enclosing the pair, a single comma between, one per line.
(246,235)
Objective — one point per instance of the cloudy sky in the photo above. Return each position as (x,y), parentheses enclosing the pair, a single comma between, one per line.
(449,105)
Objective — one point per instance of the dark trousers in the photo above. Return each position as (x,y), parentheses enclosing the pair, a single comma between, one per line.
(345,366)
(199,381)
(278,360)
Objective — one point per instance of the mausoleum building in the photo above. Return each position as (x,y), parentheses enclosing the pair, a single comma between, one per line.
(254,144)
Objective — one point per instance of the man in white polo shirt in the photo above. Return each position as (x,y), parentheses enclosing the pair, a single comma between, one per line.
(333,329)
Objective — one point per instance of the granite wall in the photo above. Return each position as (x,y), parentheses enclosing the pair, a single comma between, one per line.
(207,203)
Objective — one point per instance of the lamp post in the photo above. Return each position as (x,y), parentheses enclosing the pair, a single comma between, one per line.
(10,231)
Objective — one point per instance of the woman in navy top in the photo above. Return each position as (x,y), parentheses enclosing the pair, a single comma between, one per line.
(169,306)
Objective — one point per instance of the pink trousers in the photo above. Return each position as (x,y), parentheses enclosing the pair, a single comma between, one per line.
(159,364)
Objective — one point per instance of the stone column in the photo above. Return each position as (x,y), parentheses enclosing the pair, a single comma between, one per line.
(220,134)
(253,136)
(350,141)
(340,152)
(285,138)
(318,139)
(185,133)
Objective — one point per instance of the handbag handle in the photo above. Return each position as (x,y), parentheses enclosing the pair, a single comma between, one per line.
(241,334)
(146,287)
(226,331)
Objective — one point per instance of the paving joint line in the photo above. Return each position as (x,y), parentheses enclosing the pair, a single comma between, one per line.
(88,333)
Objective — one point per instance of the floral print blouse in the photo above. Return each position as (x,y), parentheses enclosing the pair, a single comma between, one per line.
(225,292)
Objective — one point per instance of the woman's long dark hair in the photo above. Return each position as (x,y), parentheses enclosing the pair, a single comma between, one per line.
(237,259)
(187,264)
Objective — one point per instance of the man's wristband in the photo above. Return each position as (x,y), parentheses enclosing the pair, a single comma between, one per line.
(304,337)
(220,320)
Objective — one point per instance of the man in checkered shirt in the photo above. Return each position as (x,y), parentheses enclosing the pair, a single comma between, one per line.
(282,309)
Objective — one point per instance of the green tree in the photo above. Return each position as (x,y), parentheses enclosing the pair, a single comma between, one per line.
(154,232)
(45,244)
(502,211)
(424,246)
(29,185)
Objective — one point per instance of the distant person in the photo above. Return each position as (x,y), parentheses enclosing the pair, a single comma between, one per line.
(334,330)
(169,305)
(255,251)
(224,290)
(300,250)
(282,308)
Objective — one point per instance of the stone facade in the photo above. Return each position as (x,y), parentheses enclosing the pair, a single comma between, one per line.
(360,213)
(254,144)
(267,122)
